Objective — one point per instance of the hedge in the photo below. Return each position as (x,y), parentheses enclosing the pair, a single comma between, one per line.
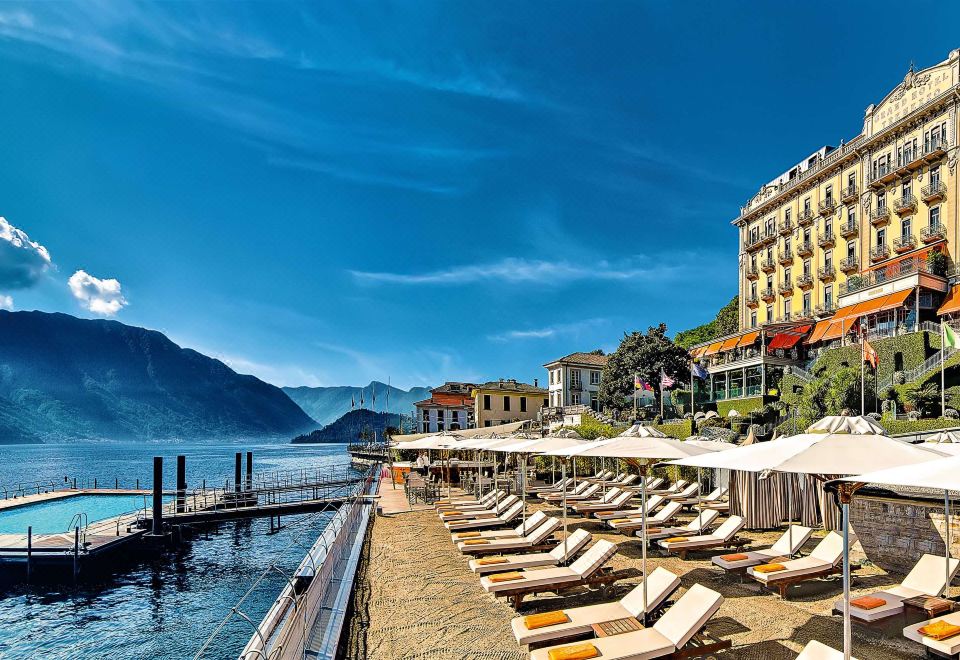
(743,406)
(898,426)
(915,347)
(680,430)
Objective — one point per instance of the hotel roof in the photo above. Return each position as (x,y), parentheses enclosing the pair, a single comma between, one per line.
(591,359)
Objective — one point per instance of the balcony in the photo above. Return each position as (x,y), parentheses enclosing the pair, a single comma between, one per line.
(768,295)
(934,150)
(906,205)
(805,217)
(849,229)
(768,237)
(749,245)
(785,288)
(883,176)
(850,265)
(753,301)
(898,275)
(931,234)
(785,257)
(903,244)
(825,309)
(768,265)
(826,239)
(880,216)
(786,227)
(935,192)
(827,207)
(805,282)
(751,272)
(849,194)
(879,252)
(826,273)
(805,249)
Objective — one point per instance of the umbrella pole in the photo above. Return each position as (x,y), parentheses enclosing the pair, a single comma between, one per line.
(946,518)
(563,463)
(699,501)
(523,491)
(846,492)
(643,532)
(790,511)
(553,469)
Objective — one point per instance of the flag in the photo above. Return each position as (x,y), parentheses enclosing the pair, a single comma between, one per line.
(949,336)
(637,383)
(646,386)
(665,381)
(698,371)
(870,355)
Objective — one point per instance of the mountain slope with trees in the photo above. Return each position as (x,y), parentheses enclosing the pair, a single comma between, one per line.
(726,322)
(326,404)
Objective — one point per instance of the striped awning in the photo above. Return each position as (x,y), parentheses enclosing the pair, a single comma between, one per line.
(788,338)
(713,348)
(748,339)
(952,302)
(729,344)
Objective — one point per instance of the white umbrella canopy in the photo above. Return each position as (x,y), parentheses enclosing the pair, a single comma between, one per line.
(943,474)
(710,445)
(642,431)
(436,441)
(951,448)
(944,437)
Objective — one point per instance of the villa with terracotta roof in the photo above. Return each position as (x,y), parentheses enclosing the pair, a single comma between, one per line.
(574,380)
(449,408)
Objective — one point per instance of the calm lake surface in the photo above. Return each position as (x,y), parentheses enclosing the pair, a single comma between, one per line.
(165,606)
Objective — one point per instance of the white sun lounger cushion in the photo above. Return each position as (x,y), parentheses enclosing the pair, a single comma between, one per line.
(828,553)
(704,520)
(478,523)
(815,650)
(781,548)
(584,567)
(665,515)
(949,647)
(653,503)
(575,543)
(539,535)
(724,533)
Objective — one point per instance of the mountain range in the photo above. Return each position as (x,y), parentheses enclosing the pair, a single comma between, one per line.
(351,426)
(327,404)
(65,378)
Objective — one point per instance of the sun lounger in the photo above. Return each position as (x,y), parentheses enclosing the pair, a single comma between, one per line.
(823,561)
(674,488)
(654,502)
(815,650)
(468,499)
(620,500)
(503,520)
(698,525)
(948,647)
(663,517)
(661,584)
(571,488)
(669,637)
(586,571)
(724,537)
(561,555)
(927,578)
(555,487)
(715,496)
(584,491)
(535,540)
(484,502)
(782,549)
(524,528)
(690,491)
(467,514)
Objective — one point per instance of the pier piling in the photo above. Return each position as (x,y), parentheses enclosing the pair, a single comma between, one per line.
(181,483)
(249,470)
(157,494)
(236,472)
(29,551)
(76,552)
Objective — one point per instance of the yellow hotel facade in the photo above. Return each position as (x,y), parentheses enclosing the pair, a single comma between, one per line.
(839,245)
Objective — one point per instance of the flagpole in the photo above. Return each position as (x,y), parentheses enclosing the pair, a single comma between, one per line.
(661,393)
(635,377)
(943,391)
(863,360)
(692,411)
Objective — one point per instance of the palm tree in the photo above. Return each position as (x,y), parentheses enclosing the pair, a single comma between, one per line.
(923,399)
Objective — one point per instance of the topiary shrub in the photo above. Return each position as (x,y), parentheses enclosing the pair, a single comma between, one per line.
(713,423)
(913,415)
(874,416)
(688,415)
(899,377)
(950,413)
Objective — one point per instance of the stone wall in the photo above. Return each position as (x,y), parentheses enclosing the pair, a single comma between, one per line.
(894,534)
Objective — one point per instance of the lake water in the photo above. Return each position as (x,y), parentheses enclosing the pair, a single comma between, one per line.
(166,606)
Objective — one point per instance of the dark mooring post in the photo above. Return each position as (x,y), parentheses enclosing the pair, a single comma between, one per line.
(181,483)
(249,470)
(157,494)
(237,472)
(29,552)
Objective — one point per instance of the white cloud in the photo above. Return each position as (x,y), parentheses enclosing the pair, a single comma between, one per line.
(524,270)
(98,296)
(22,261)
(556,330)
(6,302)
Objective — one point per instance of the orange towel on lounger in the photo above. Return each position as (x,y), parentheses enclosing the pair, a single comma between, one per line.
(939,630)
(476,542)
(677,539)
(868,602)
(490,561)
(769,568)
(654,530)
(468,535)
(451,513)
(582,651)
(736,557)
(621,520)
(507,577)
(545,619)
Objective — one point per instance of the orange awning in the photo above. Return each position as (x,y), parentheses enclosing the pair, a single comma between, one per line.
(838,328)
(818,331)
(895,300)
(748,339)
(730,344)
(952,302)
(713,348)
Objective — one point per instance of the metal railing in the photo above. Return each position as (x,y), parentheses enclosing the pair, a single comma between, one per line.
(849,264)
(880,215)
(849,193)
(827,206)
(906,267)
(934,191)
(879,252)
(805,248)
(825,239)
(904,243)
(805,217)
(826,273)
(905,204)
(848,229)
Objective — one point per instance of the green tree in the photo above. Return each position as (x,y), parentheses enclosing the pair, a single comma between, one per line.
(643,354)
(924,399)
(832,393)
(726,322)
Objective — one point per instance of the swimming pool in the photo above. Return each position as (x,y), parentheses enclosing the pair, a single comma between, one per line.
(54,516)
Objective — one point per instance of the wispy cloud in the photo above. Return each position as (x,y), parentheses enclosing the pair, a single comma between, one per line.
(526,270)
(550,331)
(366,177)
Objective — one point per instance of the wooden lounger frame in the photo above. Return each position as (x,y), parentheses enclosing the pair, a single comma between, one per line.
(700,645)
(604,578)
(785,583)
(736,543)
(479,550)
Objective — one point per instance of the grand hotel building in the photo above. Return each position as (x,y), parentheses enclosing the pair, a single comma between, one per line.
(839,245)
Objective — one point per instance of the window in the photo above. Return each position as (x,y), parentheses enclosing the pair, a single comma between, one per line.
(440,415)
(575,398)
(881,237)
(806,267)
(935,217)
(882,199)
(905,190)
(426,414)
(851,249)
(852,180)
(786,310)
(753,319)
(486,422)
(594,377)
(786,215)
(486,402)
(828,194)
(575,380)
(851,216)
(828,296)
(787,274)
(806,235)
(934,176)
(753,263)
(769,312)
(439,425)
(786,245)
(806,204)
(544,402)
(806,304)
(455,415)
(523,404)
(828,228)
(905,227)
(506,403)
(770,254)
(828,259)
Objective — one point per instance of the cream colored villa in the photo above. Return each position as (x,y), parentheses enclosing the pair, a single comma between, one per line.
(840,244)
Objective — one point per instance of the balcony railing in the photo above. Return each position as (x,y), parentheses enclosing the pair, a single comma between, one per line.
(849,229)
(768,265)
(827,206)
(879,252)
(911,159)
(805,248)
(849,193)
(884,175)
(805,281)
(785,257)
(850,265)
(825,309)
(906,205)
(931,234)
(826,239)
(750,244)
(826,273)
(751,272)
(904,244)
(786,288)
(894,271)
(934,192)
(805,217)
(880,216)
(768,294)
(934,149)
(768,237)
(786,227)
(752,300)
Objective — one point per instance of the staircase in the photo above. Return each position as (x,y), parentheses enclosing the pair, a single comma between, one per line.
(929,365)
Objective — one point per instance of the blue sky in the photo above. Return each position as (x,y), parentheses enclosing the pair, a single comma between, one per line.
(327,193)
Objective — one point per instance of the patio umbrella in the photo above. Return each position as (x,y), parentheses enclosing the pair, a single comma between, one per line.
(944,437)
(642,451)
(834,445)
